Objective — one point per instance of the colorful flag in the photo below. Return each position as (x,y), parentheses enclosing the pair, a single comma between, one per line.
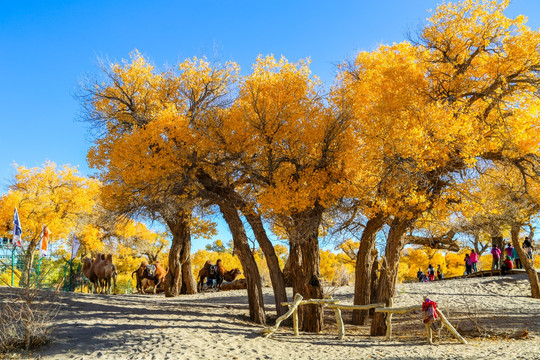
(74,247)
(17,231)
(44,241)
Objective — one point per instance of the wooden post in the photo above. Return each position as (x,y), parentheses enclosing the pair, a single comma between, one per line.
(429,334)
(271,330)
(389,321)
(295,321)
(450,327)
(340,325)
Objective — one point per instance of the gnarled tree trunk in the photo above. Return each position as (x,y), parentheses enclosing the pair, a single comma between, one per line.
(227,200)
(527,263)
(305,233)
(189,284)
(293,262)
(388,276)
(374,282)
(179,254)
(249,266)
(276,276)
(364,261)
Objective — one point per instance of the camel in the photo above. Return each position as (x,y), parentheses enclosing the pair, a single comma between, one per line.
(88,272)
(217,272)
(140,275)
(145,272)
(105,270)
(147,283)
(237,284)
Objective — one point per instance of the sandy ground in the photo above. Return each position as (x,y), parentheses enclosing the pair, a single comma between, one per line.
(215,325)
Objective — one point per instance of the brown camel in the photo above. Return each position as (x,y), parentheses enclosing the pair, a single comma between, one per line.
(217,272)
(237,284)
(140,275)
(88,272)
(154,272)
(105,271)
(95,263)
(147,283)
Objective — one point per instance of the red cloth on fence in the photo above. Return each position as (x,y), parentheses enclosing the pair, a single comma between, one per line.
(429,311)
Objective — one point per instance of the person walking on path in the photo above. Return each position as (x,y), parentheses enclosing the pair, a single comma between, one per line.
(439,272)
(515,256)
(431,273)
(527,247)
(474,260)
(468,264)
(496,253)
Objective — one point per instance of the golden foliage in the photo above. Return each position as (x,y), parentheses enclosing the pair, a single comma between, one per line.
(55,196)
(401,129)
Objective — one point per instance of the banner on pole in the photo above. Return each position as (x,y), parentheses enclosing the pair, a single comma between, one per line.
(17,231)
(74,247)
(44,241)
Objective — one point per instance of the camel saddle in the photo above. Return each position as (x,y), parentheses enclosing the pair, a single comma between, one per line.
(151,270)
(213,269)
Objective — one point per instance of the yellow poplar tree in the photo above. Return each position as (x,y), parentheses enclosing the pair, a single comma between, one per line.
(294,153)
(465,92)
(57,197)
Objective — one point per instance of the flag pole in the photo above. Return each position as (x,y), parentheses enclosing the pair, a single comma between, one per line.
(38,269)
(13,266)
(71,275)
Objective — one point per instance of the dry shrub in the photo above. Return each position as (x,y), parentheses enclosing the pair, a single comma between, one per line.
(27,314)
(342,277)
(26,318)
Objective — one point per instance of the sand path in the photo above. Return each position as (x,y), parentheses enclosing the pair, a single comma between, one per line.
(215,325)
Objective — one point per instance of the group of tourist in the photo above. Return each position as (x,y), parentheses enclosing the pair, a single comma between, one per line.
(471,261)
(511,256)
(510,261)
(430,276)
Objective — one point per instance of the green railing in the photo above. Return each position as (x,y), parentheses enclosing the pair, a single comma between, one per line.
(49,273)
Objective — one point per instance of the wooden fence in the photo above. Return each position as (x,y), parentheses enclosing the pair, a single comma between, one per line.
(334,304)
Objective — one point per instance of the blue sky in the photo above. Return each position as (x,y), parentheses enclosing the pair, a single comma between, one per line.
(46,47)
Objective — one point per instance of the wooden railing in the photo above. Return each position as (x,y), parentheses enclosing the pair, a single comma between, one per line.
(333,304)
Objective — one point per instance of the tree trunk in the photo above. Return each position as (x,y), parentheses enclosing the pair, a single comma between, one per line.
(374,283)
(227,200)
(362,273)
(388,276)
(249,266)
(293,262)
(276,276)
(305,233)
(527,263)
(28,264)
(181,239)
(189,284)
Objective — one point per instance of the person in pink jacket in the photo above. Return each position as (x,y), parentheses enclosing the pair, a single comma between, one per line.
(474,259)
(496,252)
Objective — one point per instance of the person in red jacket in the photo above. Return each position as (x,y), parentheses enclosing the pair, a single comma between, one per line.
(496,252)
(431,273)
(507,265)
(474,260)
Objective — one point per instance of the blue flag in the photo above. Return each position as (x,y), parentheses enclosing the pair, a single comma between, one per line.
(74,247)
(17,231)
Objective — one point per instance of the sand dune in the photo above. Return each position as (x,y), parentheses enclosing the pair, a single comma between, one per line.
(215,325)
